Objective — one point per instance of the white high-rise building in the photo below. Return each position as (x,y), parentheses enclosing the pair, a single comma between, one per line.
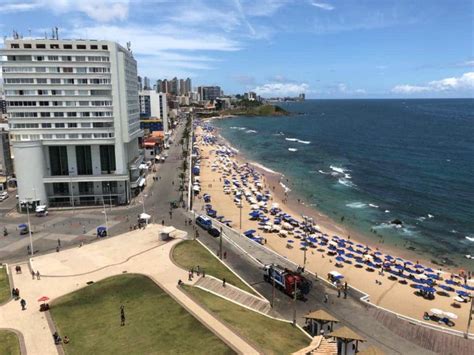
(74,120)
(153,106)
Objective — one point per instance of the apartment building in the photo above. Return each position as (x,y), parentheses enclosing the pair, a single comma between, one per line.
(73,113)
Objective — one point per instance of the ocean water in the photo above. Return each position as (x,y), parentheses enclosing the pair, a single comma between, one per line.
(373,161)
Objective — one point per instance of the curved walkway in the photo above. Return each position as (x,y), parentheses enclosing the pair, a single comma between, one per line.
(138,251)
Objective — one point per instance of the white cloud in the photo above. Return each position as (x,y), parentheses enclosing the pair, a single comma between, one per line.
(281,89)
(18,7)
(463,82)
(322,5)
(98,10)
(152,39)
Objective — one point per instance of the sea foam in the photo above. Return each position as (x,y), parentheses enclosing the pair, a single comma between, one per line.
(356,205)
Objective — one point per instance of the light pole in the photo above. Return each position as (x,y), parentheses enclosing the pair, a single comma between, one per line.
(110,195)
(469,319)
(105,217)
(29,226)
(72,195)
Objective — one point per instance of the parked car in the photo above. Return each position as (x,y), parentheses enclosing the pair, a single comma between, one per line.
(214,232)
(4,195)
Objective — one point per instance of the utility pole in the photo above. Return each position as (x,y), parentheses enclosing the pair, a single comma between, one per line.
(272,274)
(294,304)
(220,245)
(29,227)
(469,319)
(240,214)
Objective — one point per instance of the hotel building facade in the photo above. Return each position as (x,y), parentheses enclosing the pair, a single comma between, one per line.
(73,113)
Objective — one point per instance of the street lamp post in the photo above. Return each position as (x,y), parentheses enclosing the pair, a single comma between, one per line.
(110,195)
(105,217)
(29,227)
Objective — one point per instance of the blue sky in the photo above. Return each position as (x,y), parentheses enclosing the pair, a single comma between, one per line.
(325,48)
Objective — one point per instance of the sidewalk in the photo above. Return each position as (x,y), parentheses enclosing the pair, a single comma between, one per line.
(61,273)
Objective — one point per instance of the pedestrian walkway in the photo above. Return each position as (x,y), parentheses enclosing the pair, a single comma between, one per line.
(139,251)
(319,346)
(233,293)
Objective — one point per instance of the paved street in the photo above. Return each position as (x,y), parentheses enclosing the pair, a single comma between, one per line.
(72,227)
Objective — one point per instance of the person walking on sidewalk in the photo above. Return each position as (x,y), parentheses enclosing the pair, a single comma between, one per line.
(326,298)
(23,304)
(37,274)
(223,282)
(32,274)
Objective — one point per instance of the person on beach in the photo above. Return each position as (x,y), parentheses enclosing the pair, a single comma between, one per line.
(37,274)
(33,274)
(223,282)
(23,304)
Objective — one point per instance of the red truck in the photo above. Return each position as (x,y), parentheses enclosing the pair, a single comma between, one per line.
(286,280)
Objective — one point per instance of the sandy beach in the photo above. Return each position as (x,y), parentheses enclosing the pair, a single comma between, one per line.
(383,292)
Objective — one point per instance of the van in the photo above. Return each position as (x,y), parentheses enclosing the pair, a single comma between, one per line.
(204,222)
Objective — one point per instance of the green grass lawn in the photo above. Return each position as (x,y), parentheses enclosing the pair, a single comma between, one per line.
(190,254)
(5,292)
(9,344)
(269,335)
(155,323)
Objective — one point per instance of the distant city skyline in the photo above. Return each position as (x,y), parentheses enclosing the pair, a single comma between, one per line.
(323,48)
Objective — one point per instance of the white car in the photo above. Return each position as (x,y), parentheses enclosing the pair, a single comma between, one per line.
(4,195)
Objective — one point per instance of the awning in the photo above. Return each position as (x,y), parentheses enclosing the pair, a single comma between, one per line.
(141,182)
(143,166)
(144,216)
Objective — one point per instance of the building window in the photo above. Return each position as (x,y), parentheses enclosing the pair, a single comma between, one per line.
(107,158)
(54,46)
(27,45)
(68,46)
(59,125)
(81,46)
(58,160)
(105,47)
(46,125)
(84,160)
(60,188)
(93,46)
(41,46)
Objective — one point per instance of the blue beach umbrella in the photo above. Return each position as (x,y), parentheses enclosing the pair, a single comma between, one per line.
(429,269)
(304,244)
(349,255)
(462,293)
(429,289)
(451,282)
(332,247)
(418,287)
(433,276)
(467,287)
(359,246)
(340,252)
(378,253)
(340,258)
(446,288)
(250,231)
(408,263)
(388,257)
(418,266)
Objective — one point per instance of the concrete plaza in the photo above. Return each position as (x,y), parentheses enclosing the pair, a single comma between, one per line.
(139,251)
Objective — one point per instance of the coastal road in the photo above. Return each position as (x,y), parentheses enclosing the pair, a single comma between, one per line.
(350,311)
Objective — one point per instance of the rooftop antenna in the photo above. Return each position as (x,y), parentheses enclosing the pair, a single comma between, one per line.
(129,46)
(53,36)
(57,33)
